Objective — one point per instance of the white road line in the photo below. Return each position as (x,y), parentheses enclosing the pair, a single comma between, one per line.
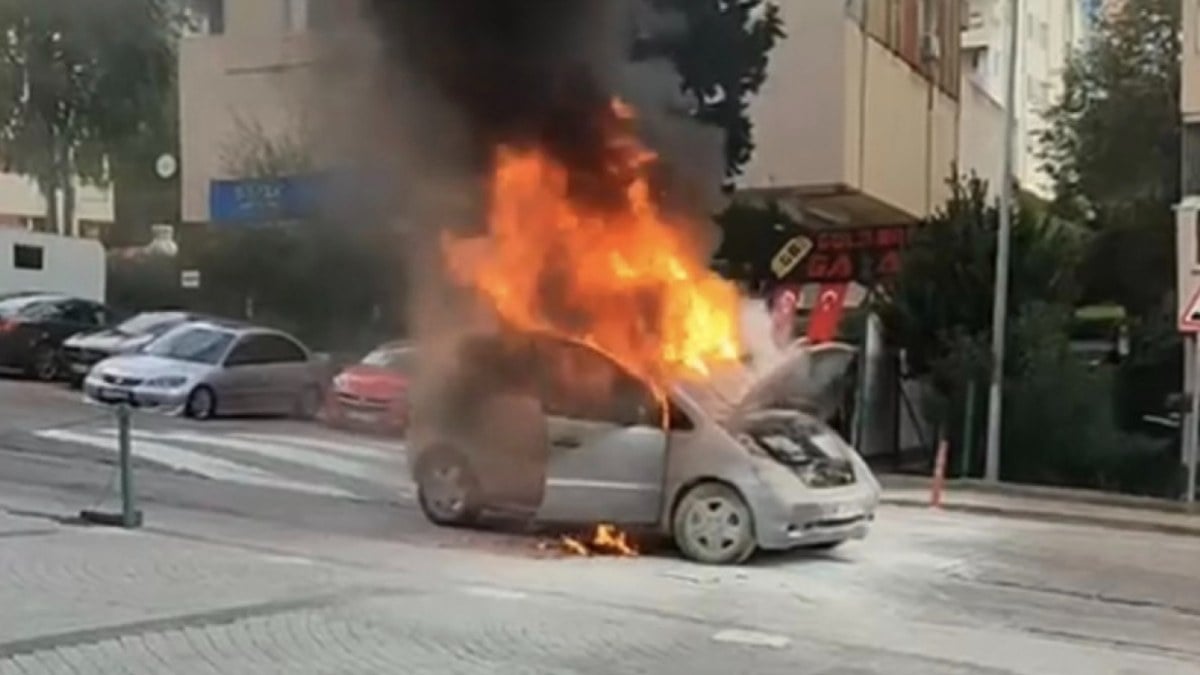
(497,593)
(363,450)
(180,459)
(322,461)
(751,639)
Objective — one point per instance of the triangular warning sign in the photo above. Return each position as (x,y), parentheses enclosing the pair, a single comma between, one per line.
(1189,318)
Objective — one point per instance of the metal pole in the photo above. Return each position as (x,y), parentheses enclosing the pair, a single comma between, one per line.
(1191,431)
(968,438)
(130,518)
(1000,297)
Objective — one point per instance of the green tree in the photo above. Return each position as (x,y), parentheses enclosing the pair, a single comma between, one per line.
(938,309)
(1112,146)
(78,79)
(723,62)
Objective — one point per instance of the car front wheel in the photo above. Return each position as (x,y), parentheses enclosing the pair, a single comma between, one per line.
(44,365)
(201,404)
(447,489)
(712,524)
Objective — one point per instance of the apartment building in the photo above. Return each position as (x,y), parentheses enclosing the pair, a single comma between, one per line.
(857,122)
(1190,97)
(245,74)
(23,205)
(1048,32)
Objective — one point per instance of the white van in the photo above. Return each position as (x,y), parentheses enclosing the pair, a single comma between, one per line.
(49,263)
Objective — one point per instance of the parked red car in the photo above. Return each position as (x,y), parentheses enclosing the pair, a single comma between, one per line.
(373,393)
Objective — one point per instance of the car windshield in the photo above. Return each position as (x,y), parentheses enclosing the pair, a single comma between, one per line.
(154,323)
(195,345)
(19,304)
(398,360)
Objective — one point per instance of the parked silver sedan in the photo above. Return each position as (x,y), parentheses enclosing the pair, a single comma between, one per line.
(205,369)
(558,431)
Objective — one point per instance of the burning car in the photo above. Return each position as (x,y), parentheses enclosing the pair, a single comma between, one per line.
(724,465)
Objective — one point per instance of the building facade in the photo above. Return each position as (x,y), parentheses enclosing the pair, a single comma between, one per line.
(857,121)
(23,205)
(1048,32)
(245,74)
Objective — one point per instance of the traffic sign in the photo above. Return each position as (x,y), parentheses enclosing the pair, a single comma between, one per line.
(1187,261)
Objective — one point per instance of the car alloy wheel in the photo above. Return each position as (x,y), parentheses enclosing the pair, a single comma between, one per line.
(308,403)
(201,404)
(447,490)
(713,525)
(45,363)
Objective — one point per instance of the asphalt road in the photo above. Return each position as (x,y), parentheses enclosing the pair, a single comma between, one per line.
(286,524)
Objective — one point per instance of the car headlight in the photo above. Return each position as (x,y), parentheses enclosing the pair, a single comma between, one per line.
(340,382)
(167,382)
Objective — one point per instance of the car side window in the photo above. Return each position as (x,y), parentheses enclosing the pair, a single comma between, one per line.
(278,349)
(247,352)
(580,383)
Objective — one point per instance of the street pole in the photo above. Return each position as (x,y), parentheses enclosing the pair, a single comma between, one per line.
(130,518)
(1003,237)
(1191,434)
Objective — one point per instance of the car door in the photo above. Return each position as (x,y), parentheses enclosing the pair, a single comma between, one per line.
(241,385)
(285,372)
(608,452)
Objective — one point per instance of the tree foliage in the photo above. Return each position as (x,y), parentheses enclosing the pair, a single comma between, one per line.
(1112,146)
(77,79)
(723,62)
(938,309)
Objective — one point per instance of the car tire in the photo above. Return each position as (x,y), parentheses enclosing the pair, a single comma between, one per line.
(201,404)
(44,364)
(713,525)
(447,489)
(308,404)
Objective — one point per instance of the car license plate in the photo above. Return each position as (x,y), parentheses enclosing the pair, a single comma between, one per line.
(840,511)
(112,395)
(365,418)
(80,368)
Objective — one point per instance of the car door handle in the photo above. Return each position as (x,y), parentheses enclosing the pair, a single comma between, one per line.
(567,443)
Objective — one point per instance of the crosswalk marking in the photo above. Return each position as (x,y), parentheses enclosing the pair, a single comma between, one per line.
(357,448)
(201,464)
(284,453)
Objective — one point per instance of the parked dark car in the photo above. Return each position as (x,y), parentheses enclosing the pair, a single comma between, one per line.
(33,327)
(82,351)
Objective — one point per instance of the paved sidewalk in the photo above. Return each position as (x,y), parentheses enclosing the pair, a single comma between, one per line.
(1052,504)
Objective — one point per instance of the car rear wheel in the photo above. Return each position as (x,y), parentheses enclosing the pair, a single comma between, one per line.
(201,404)
(308,403)
(447,490)
(712,524)
(44,365)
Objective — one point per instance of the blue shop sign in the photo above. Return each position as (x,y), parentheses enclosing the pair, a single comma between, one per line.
(264,200)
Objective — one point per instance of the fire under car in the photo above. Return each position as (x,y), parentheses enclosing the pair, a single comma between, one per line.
(558,432)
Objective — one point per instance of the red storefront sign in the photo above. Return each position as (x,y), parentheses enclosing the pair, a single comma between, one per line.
(862,254)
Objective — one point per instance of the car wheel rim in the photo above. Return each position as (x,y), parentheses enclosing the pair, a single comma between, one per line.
(46,368)
(201,404)
(445,493)
(716,526)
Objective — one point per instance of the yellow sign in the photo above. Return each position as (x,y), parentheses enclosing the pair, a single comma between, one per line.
(790,255)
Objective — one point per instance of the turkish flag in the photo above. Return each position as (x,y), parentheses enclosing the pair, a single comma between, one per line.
(826,315)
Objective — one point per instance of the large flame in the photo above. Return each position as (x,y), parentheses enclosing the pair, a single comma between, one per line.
(620,275)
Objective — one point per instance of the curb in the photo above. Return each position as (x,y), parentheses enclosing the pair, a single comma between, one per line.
(1050,516)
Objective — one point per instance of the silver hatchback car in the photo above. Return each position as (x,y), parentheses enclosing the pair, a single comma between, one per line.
(204,369)
(559,432)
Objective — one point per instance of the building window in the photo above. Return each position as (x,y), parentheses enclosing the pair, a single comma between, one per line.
(26,257)
(1191,158)
(213,15)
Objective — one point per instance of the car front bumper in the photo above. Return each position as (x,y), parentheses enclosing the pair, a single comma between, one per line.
(152,398)
(787,514)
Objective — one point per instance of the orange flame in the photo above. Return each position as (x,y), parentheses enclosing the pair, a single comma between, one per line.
(623,278)
(605,540)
